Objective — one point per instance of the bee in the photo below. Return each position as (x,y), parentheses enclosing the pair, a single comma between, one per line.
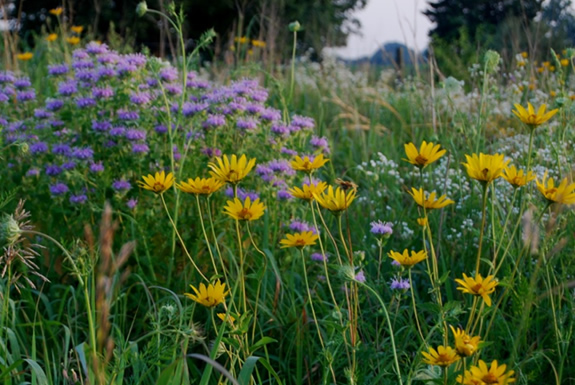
(346,185)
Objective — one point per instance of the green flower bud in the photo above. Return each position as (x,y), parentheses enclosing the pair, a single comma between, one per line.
(570,53)
(491,60)
(294,26)
(24,148)
(9,230)
(142,8)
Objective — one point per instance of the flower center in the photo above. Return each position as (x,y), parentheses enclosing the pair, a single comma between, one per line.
(490,378)
(421,160)
(300,242)
(476,287)
(245,214)
(158,186)
(485,172)
(443,358)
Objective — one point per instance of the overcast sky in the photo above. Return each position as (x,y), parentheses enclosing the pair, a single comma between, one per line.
(384,21)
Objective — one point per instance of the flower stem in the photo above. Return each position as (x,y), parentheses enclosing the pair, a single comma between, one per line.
(206,234)
(482,230)
(415,310)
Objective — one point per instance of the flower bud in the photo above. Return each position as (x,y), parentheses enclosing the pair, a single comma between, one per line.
(141,8)
(9,230)
(294,26)
(491,60)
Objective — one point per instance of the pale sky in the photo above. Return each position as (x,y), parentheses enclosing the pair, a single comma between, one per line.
(384,21)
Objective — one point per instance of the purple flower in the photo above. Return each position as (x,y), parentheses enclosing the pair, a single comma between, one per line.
(33,172)
(80,54)
(59,189)
(288,151)
(301,226)
(140,98)
(53,170)
(107,57)
(135,134)
(281,166)
(22,83)
(284,195)
(211,152)
(41,113)
(117,131)
(384,229)
(54,104)
(105,72)
(24,96)
(101,126)
(254,108)
(85,102)
(140,148)
(121,185)
(320,143)
(96,167)
(78,199)
(399,284)
(3,97)
(86,75)
(69,165)
(95,48)
(103,93)
(190,109)
(302,121)
(82,153)
(280,130)
(161,129)
(128,115)
(168,74)
(57,69)
(38,147)
(61,149)
(360,277)
(7,77)
(247,124)
(173,89)
(132,203)
(136,59)
(242,194)
(235,106)
(67,88)
(271,114)
(319,257)
(214,121)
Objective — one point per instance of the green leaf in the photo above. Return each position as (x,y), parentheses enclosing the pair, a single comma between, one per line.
(263,341)
(249,366)
(37,371)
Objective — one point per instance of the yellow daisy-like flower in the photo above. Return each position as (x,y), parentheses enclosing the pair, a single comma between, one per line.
(308,165)
(430,202)
(406,260)
(231,170)
(443,356)
(485,168)
(51,37)
(209,296)
(56,11)
(201,186)
(481,374)
(337,201)
(77,29)
(564,193)
(308,190)
(246,211)
(299,240)
(532,118)
(158,183)
(427,154)
(73,40)
(259,43)
(464,343)
(478,286)
(25,56)
(517,178)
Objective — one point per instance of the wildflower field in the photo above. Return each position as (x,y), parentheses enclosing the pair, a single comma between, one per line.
(177,223)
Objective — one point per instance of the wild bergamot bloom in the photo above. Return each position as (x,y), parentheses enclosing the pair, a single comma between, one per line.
(231,170)
(406,260)
(209,296)
(464,343)
(308,190)
(335,201)
(517,178)
(443,356)
(564,193)
(430,202)
(246,211)
(478,286)
(201,186)
(532,119)
(427,153)
(299,240)
(485,168)
(308,165)
(158,183)
(480,375)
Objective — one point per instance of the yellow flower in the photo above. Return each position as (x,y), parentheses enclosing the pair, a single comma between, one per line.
(51,37)
(247,211)
(308,190)
(335,201)
(564,193)
(443,356)
(481,374)
(25,56)
(56,11)
(430,202)
(308,165)
(241,40)
(158,183)
(530,118)
(77,29)
(407,260)
(468,379)
(524,54)
(73,40)
(209,296)
(422,221)
(299,240)
(230,318)
(478,286)
(427,154)
(564,62)
(231,171)
(259,43)
(485,168)
(201,186)
(517,178)
(464,343)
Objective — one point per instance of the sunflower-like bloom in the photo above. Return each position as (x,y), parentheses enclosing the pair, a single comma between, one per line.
(308,190)
(246,211)
(337,201)
(443,356)
(299,240)
(464,343)
(308,165)
(51,37)
(158,183)
(530,117)
(56,11)
(485,168)
(406,260)
(201,186)
(517,178)
(25,56)
(480,375)
(73,40)
(427,154)
(478,286)
(231,170)
(430,202)
(564,193)
(209,296)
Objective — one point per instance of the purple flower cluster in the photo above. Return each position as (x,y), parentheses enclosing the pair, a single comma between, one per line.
(384,229)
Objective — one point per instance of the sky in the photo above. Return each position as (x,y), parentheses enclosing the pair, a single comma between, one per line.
(384,21)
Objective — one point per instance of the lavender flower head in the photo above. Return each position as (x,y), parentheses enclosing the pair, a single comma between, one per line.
(301,226)
(360,277)
(319,257)
(383,229)
(399,284)
(59,189)
(121,185)
(78,199)
(132,203)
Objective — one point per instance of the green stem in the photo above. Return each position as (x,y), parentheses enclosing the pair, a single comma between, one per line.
(482,230)
(206,234)
(415,309)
